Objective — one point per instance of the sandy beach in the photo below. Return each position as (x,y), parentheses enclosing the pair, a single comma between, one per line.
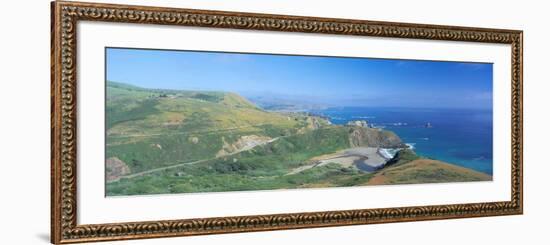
(367,159)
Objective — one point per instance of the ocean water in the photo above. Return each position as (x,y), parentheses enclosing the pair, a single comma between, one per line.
(462,137)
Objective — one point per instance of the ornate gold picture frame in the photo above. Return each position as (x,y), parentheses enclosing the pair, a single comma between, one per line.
(64,107)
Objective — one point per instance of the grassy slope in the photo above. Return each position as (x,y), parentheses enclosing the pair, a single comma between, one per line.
(200,180)
(411,169)
(149,129)
(152,128)
(262,168)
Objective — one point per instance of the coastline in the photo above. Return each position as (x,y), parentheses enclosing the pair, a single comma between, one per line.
(462,137)
(366,159)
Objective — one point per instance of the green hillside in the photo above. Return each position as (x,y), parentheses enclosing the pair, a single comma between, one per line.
(149,128)
(176,141)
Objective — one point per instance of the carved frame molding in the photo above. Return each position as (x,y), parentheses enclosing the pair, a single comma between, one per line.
(66,15)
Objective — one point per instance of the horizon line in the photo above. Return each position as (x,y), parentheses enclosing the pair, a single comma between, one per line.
(327,106)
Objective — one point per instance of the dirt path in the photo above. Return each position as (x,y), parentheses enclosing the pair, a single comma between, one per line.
(187,163)
(156,170)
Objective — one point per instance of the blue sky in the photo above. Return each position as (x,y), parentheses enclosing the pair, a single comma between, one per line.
(335,81)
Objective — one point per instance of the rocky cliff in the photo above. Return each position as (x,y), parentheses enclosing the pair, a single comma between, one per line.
(372,137)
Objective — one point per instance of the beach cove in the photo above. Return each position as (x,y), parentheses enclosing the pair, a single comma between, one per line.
(458,136)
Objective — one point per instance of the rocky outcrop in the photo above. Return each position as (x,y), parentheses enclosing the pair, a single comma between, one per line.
(115,168)
(313,122)
(371,137)
(358,123)
(402,156)
(194,140)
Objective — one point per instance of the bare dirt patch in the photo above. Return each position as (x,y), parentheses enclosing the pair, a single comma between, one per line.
(116,168)
(244,143)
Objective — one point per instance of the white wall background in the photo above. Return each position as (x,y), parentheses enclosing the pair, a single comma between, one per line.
(25,142)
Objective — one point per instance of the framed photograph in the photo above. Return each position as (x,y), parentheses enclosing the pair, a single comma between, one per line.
(176,122)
